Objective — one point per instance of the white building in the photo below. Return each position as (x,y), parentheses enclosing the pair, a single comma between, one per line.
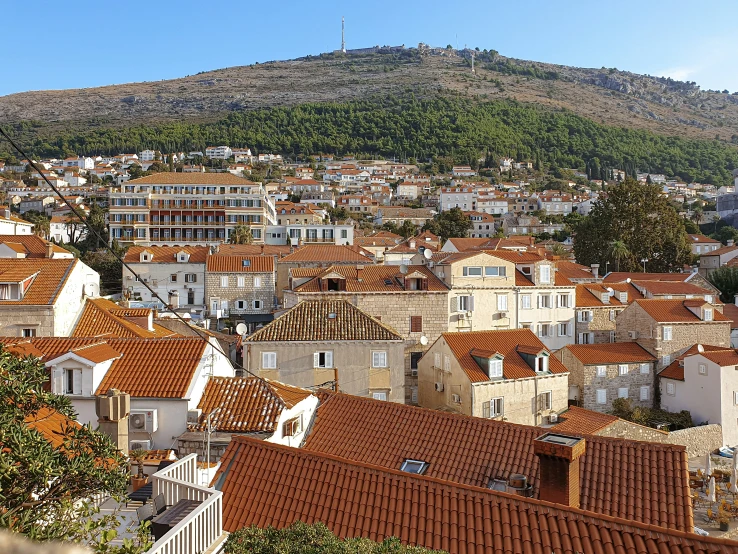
(11,224)
(218,152)
(310,233)
(147,155)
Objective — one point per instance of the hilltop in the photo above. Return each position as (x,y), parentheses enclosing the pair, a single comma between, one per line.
(607,96)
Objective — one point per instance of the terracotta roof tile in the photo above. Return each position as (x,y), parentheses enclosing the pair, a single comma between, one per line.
(367,242)
(247,404)
(253,249)
(53,425)
(516,256)
(621,277)
(702,239)
(619,478)
(675,311)
(167,254)
(235,264)
(589,295)
(508,343)
(731,312)
(355,499)
(374,278)
(103,318)
(670,287)
(723,358)
(675,370)
(312,321)
(571,270)
(720,251)
(327,254)
(33,245)
(610,353)
(168,178)
(48,283)
(580,421)
(97,353)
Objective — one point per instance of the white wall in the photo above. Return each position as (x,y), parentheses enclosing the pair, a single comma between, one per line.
(306,408)
(161,273)
(70,301)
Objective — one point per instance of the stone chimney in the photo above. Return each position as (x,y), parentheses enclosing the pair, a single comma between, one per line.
(359,273)
(112,412)
(49,250)
(596,270)
(174,299)
(558,458)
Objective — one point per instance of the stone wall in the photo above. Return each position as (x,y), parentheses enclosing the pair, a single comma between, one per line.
(195,442)
(601,325)
(233,293)
(698,440)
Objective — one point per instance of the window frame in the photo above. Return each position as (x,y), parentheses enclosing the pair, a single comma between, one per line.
(604,397)
(601,371)
(327,355)
(379,364)
(627,392)
(408,462)
(647,396)
(416,323)
(466,271)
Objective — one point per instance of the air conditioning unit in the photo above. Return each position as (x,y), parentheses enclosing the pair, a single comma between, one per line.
(143,421)
(462,316)
(456,398)
(193,416)
(633,334)
(553,418)
(503,315)
(439,387)
(414,372)
(140,445)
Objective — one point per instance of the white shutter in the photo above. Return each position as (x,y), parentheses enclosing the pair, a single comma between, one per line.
(316,359)
(471,303)
(558,303)
(77,381)
(538,301)
(570,330)
(87,383)
(329,359)
(456,304)
(579,338)
(58,381)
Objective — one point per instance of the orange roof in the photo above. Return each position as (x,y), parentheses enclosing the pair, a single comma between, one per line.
(325,320)
(589,295)
(722,357)
(326,253)
(578,420)
(675,311)
(572,270)
(610,353)
(97,353)
(702,239)
(505,342)
(167,254)
(367,242)
(33,245)
(516,256)
(675,370)
(721,251)
(52,275)
(670,287)
(731,312)
(240,264)
(353,499)
(54,426)
(247,404)
(620,478)
(103,318)
(371,278)
(253,250)
(168,178)
(621,277)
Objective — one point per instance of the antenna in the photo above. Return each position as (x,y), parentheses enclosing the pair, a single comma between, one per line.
(473,70)
(343,35)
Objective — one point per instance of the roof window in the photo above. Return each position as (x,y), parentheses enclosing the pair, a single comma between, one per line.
(414,466)
(246,263)
(331,315)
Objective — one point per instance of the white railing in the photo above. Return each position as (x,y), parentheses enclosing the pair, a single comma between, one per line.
(200,529)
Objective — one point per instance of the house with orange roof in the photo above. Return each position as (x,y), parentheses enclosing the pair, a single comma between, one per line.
(704,382)
(703,245)
(165,377)
(526,224)
(597,308)
(11,224)
(715,259)
(666,328)
(600,373)
(507,375)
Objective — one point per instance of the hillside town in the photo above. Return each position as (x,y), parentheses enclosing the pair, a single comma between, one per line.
(412,351)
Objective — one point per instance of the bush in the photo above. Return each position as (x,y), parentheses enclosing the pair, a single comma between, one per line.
(650,417)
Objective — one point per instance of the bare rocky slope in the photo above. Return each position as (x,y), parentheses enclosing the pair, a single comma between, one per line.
(605,95)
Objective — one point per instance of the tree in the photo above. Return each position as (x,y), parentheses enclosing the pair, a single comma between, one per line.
(407,229)
(41,223)
(109,268)
(725,279)
(448,224)
(640,218)
(618,252)
(45,488)
(241,234)
(301,538)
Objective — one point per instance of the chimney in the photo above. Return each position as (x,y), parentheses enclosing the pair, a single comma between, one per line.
(730,242)
(174,299)
(49,250)
(596,270)
(359,273)
(558,458)
(5,212)
(112,412)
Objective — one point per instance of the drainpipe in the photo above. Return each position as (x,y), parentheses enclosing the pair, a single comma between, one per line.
(516,290)
(535,408)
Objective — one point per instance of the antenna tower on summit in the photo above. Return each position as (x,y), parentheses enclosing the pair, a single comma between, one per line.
(343,35)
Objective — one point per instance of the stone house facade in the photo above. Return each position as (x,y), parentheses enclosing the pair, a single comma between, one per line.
(597,308)
(600,373)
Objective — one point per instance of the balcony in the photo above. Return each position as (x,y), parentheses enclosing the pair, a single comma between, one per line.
(316,240)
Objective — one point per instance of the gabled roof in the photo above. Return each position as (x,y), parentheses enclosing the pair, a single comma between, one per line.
(670,287)
(168,178)
(221,263)
(374,278)
(621,277)
(578,420)
(327,254)
(103,318)
(54,426)
(32,245)
(731,312)
(619,478)
(589,295)
(675,311)
(51,277)
(723,358)
(253,249)
(324,320)
(167,254)
(247,404)
(505,342)
(374,241)
(573,271)
(261,487)
(702,239)
(720,251)
(675,370)
(610,353)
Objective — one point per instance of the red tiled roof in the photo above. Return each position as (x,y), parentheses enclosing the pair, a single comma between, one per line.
(675,370)
(374,241)
(723,358)
(621,277)
(505,342)
(373,278)
(572,270)
(702,239)
(103,318)
(266,484)
(589,295)
(33,245)
(54,426)
(235,264)
(675,311)
(610,353)
(731,312)
(167,254)
(326,254)
(253,250)
(648,482)
(670,287)
(51,276)
(578,420)
(720,251)
(516,256)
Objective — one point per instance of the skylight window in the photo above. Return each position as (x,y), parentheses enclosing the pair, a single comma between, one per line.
(414,466)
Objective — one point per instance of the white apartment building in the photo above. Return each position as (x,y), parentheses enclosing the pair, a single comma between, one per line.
(218,152)
(457,197)
(147,155)
(187,208)
(311,233)
(491,204)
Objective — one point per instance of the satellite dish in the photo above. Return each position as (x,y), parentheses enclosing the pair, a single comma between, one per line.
(423,340)
(627,280)
(700,348)
(241,329)
(427,253)
(403,269)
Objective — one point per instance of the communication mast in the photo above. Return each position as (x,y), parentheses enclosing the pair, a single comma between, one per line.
(343,35)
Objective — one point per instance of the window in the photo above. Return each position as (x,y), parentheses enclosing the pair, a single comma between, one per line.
(586,338)
(613,315)
(495,368)
(494,271)
(544,330)
(708,298)
(623,297)
(702,368)
(545,272)
(414,395)
(735,398)
(257,304)
(623,369)
(437,360)
(73,381)
(416,324)
(379,359)
(446,363)
(173,278)
(544,301)
(268,360)
(241,281)
(525,302)
(379,395)
(323,359)
(493,408)
(190,278)
(257,282)
(645,369)
(545,400)
(666,360)
(585,316)
(240,304)
(414,359)
(224,281)
(502,302)
(623,392)
(414,466)
(472,271)
(28,332)
(563,301)
(292,427)
(645,392)
(708,314)
(666,333)
(563,329)
(464,303)
(601,396)
(601,371)
(670,389)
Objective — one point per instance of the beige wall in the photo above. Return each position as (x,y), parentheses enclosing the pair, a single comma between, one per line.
(601,326)
(232,293)
(352,360)
(519,394)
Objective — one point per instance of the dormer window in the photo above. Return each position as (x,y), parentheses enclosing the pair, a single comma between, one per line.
(542,363)
(183,257)
(545,273)
(605,297)
(623,297)
(708,314)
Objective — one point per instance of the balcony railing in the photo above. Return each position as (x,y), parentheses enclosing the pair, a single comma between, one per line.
(199,530)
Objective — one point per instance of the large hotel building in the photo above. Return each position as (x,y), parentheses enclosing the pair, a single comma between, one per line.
(187,208)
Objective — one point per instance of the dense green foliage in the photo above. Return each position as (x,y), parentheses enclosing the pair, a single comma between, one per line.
(448,224)
(725,279)
(635,222)
(301,538)
(449,130)
(44,489)
(650,417)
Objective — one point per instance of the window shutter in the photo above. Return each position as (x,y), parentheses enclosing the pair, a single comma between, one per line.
(329,359)
(569,330)
(579,338)
(77,381)
(558,303)
(471,303)
(316,359)
(456,304)
(538,301)
(486,409)
(58,381)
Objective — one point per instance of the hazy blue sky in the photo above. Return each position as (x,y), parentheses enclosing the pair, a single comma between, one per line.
(79,43)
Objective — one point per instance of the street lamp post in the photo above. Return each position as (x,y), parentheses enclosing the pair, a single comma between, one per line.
(644,260)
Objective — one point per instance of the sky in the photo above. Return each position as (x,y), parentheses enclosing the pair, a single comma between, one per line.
(80,43)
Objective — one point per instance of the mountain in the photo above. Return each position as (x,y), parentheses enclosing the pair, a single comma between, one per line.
(607,96)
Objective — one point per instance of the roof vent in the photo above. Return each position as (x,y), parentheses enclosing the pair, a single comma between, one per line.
(331,315)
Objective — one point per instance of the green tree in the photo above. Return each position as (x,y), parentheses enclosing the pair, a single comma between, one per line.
(640,218)
(725,279)
(45,488)
(407,229)
(109,268)
(301,538)
(41,223)
(448,224)
(618,252)
(241,234)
